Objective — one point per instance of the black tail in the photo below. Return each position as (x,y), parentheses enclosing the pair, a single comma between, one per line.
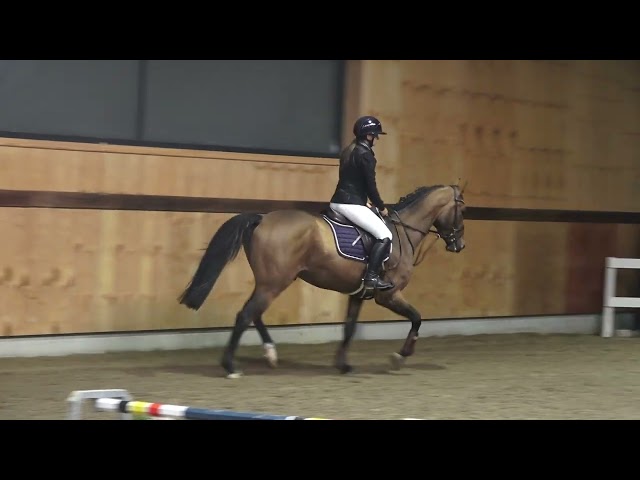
(222,249)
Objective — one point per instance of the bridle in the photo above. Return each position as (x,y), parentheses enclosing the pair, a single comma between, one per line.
(450,237)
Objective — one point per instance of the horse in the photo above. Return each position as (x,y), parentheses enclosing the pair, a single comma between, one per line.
(329,252)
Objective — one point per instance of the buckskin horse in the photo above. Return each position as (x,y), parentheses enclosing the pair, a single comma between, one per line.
(324,249)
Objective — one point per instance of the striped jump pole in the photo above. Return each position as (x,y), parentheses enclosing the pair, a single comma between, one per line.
(182,412)
(121,401)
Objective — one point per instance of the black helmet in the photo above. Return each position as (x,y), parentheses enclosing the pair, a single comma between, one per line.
(367,125)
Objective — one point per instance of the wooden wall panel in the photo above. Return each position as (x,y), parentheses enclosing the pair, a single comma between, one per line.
(494,276)
(526,134)
(65,271)
(477,282)
(587,246)
(78,167)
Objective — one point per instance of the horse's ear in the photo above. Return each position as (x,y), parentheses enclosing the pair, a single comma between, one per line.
(457,184)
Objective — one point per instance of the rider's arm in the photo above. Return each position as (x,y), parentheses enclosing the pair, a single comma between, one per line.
(369,165)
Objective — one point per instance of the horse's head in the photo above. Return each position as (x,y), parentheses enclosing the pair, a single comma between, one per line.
(450,221)
(441,206)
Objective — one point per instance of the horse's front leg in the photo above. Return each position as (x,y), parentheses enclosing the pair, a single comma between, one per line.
(396,303)
(353,311)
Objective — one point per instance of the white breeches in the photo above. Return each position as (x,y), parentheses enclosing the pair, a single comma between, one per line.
(363,217)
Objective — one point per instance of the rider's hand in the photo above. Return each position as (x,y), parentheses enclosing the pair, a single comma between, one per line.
(369,205)
(385,212)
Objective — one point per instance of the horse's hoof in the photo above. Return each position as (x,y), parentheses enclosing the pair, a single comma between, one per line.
(234,375)
(397,361)
(271,355)
(344,369)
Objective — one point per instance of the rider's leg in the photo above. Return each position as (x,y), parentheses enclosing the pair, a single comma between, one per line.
(365,218)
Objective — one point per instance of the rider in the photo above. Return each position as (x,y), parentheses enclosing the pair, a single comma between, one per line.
(356,184)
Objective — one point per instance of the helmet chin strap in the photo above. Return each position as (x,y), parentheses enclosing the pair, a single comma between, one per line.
(367,141)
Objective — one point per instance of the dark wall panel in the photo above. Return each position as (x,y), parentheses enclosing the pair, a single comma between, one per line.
(246,104)
(90,98)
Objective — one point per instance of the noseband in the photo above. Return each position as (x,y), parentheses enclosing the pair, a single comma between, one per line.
(451,238)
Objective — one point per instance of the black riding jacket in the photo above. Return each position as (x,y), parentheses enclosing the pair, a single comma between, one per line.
(357,177)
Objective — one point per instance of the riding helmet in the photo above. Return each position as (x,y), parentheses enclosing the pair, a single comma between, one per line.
(367,125)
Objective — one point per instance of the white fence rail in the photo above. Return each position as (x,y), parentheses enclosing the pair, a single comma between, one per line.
(610,300)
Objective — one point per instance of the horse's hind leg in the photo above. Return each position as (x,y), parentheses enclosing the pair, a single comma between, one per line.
(252,310)
(287,246)
(397,304)
(269,345)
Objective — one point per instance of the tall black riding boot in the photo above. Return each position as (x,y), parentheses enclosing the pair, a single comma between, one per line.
(372,278)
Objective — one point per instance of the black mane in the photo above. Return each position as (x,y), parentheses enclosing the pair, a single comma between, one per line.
(418,194)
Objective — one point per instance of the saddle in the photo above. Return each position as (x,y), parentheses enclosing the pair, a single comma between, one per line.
(352,241)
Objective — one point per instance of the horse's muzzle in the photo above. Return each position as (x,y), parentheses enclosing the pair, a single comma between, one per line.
(453,247)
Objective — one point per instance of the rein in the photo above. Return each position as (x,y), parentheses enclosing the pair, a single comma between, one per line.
(422,253)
